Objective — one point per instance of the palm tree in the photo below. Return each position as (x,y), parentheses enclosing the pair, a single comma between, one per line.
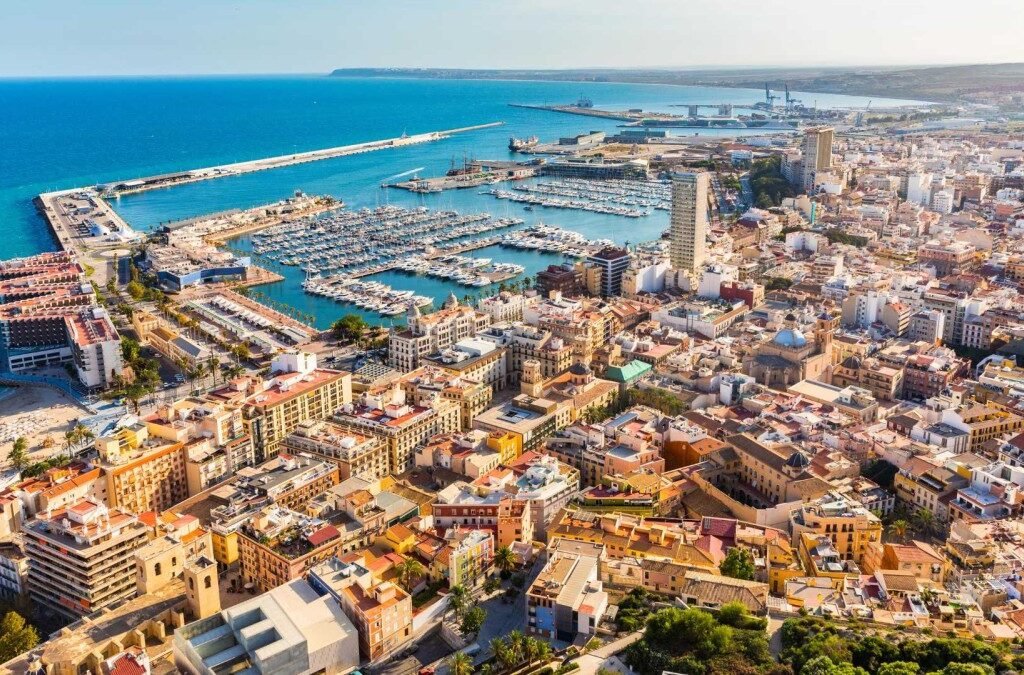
(530,649)
(544,651)
(898,530)
(458,598)
(925,522)
(235,370)
(515,644)
(502,654)
(214,367)
(460,663)
(504,559)
(409,569)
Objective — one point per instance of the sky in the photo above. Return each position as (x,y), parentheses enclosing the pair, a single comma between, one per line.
(165,37)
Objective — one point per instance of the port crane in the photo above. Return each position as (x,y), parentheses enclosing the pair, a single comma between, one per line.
(790,101)
(769,97)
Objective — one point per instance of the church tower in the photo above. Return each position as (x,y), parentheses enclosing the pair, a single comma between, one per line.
(201,593)
(532,383)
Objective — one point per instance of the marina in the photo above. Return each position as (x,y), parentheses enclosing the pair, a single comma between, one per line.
(372,296)
(367,241)
(629,198)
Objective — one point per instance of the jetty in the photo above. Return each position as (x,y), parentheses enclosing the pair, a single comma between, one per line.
(135,185)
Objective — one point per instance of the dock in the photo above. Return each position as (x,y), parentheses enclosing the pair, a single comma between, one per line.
(471,245)
(157,182)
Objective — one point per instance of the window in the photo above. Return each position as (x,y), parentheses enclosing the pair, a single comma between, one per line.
(207,582)
(157,569)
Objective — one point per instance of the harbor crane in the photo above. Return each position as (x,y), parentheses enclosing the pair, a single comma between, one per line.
(769,97)
(790,101)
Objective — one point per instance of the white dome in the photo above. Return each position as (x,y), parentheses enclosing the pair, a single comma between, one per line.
(790,337)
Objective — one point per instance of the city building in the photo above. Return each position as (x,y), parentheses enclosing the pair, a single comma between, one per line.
(817,155)
(567,598)
(689,222)
(82,558)
(357,455)
(291,630)
(433,333)
(612,262)
(297,391)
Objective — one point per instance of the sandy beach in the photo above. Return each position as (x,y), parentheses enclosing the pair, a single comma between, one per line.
(36,413)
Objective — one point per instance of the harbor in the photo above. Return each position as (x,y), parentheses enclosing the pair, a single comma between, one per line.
(629,198)
(367,241)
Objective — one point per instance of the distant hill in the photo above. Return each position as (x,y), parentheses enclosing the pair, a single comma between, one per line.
(934,83)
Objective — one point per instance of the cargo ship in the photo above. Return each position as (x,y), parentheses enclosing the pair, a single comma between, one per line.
(520,144)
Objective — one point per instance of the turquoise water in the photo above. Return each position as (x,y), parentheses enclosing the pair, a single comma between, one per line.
(65,133)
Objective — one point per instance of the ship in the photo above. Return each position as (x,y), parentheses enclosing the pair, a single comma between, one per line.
(520,144)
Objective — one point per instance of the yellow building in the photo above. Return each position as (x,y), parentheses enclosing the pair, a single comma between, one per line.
(143,473)
(506,444)
(849,525)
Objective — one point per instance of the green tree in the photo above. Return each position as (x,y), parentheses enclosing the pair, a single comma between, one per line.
(18,456)
(348,328)
(16,636)
(515,641)
(460,663)
(473,620)
(738,564)
(732,614)
(967,669)
(458,601)
(409,569)
(898,530)
(130,350)
(823,665)
(136,290)
(925,522)
(670,630)
(505,559)
(898,668)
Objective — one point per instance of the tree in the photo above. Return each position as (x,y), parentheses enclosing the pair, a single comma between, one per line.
(738,564)
(516,639)
(672,629)
(16,636)
(503,655)
(898,530)
(505,559)
(732,614)
(925,522)
(898,668)
(460,663)
(823,665)
(409,569)
(458,599)
(213,366)
(18,456)
(473,619)
(136,290)
(348,328)
(130,350)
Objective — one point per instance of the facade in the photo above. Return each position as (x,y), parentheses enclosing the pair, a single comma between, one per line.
(817,155)
(850,525)
(357,455)
(612,262)
(433,333)
(143,472)
(567,598)
(49,316)
(689,222)
(300,391)
(291,630)
(380,611)
(82,558)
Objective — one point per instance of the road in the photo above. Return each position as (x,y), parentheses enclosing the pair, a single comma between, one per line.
(429,649)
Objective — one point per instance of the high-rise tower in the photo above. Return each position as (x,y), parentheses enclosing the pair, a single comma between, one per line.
(689,221)
(817,150)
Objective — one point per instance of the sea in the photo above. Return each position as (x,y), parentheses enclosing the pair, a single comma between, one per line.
(64,133)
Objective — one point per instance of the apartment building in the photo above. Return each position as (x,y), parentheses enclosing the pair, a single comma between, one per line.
(143,472)
(427,384)
(357,455)
(850,525)
(433,333)
(402,426)
(689,221)
(923,485)
(380,611)
(473,359)
(816,155)
(82,557)
(567,598)
(469,554)
(297,392)
(49,316)
(220,425)
(528,343)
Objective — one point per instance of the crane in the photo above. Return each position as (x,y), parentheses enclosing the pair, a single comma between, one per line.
(790,101)
(769,97)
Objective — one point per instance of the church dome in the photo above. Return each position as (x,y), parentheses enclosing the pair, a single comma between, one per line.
(852,362)
(790,337)
(451,301)
(579,369)
(791,317)
(798,460)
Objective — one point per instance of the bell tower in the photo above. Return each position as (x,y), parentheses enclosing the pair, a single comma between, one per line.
(201,593)
(532,383)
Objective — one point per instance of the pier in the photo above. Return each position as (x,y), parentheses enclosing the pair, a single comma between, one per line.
(136,185)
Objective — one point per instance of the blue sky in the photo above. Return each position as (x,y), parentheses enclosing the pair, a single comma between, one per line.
(129,37)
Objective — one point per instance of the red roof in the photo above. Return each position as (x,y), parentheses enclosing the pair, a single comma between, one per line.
(323,535)
(127,664)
